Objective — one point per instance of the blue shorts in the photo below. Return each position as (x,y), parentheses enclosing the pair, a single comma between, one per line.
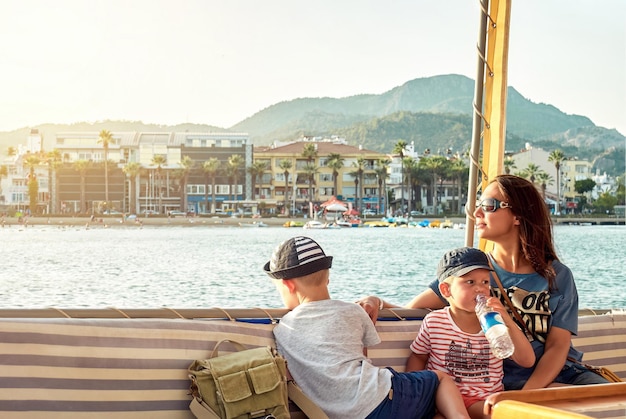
(515,376)
(412,396)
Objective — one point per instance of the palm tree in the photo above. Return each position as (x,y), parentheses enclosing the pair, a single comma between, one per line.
(229,172)
(335,162)
(234,165)
(53,158)
(435,165)
(81,166)
(359,164)
(285,165)
(309,151)
(310,170)
(409,165)
(210,169)
(355,175)
(132,170)
(544,179)
(509,164)
(106,138)
(256,171)
(177,177)
(530,172)
(186,164)
(458,172)
(382,174)
(31,162)
(556,157)
(159,161)
(399,149)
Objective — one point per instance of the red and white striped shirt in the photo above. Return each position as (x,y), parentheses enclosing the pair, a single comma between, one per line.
(466,357)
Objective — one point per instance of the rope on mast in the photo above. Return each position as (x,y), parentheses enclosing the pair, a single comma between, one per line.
(490,93)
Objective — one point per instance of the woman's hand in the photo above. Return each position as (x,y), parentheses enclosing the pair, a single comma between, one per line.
(372,305)
(427,299)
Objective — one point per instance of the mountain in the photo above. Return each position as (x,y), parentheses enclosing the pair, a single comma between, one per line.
(446,94)
(433,112)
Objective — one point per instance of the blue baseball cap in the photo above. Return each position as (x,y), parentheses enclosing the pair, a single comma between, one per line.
(461,261)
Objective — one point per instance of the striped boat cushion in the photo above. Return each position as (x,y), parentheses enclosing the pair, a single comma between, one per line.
(137,368)
(603,340)
(396,337)
(64,368)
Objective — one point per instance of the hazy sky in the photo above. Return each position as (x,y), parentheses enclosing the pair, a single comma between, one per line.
(218,62)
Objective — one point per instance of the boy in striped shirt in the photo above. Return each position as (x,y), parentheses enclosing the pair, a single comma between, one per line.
(451,340)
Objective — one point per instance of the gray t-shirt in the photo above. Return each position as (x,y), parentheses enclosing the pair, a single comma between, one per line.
(323,343)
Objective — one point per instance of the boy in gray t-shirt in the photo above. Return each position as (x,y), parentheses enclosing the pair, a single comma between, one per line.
(325,341)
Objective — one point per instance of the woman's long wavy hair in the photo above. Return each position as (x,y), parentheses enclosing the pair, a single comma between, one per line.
(535,229)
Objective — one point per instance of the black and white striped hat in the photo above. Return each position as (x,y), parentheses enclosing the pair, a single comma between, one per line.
(296,257)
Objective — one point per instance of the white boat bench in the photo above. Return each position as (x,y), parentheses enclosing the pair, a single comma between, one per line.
(94,366)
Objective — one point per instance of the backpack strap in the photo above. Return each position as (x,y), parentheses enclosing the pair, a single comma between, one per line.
(201,410)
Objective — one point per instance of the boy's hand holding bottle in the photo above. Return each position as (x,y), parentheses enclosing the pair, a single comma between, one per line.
(491,314)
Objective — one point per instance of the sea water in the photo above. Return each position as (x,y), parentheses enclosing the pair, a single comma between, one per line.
(202,267)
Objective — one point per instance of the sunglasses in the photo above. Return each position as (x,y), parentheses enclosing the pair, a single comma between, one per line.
(491,204)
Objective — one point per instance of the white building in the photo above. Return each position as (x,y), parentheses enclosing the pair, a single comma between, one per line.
(14,186)
(604,184)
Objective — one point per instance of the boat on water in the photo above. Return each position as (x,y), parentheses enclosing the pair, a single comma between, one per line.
(441,224)
(349,221)
(319,225)
(253,224)
(292,223)
(345,224)
(314,224)
(377,223)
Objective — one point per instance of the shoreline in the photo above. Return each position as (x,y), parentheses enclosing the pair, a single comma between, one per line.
(223,221)
(112,222)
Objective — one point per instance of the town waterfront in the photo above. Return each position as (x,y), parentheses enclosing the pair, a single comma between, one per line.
(181,267)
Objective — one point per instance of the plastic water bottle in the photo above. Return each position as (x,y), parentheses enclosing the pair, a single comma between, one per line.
(494,328)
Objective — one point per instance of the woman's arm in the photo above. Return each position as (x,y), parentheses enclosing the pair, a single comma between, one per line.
(372,305)
(553,359)
(427,299)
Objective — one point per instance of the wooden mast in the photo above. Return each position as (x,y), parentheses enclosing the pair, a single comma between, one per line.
(490,95)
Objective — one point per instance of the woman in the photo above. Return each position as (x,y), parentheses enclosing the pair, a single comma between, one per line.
(512,214)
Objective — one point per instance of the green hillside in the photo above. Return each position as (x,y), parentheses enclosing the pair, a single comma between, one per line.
(433,112)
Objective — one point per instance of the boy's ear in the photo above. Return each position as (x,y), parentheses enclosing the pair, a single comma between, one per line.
(290,284)
(444,289)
